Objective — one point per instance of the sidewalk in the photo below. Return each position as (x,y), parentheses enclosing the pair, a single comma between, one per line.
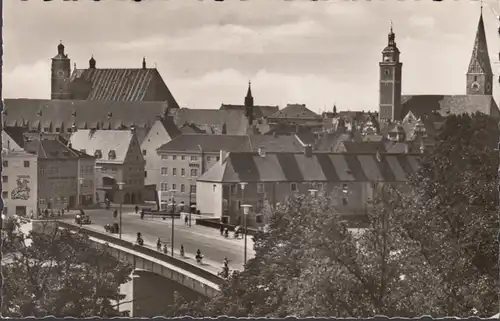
(206,264)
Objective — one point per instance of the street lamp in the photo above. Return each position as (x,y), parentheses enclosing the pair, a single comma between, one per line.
(242,185)
(173,222)
(80,183)
(246,210)
(120,187)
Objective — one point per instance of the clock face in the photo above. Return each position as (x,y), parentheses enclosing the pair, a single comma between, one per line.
(60,73)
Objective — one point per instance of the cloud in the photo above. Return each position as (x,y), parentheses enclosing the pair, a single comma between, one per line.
(27,81)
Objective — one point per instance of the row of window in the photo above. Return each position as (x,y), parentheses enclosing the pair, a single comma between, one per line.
(192,158)
(5,163)
(193,172)
(164,188)
(86,170)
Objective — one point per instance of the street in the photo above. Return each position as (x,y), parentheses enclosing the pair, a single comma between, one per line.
(212,245)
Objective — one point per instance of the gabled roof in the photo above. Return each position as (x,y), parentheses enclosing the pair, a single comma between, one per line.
(104,140)
(16,134)
(480,59)
(121,85)
(295,111)
(259,111)
(320,167)
(52,149)
(170,126)
(208,143)
(425,105)
(213,120)
(82,113)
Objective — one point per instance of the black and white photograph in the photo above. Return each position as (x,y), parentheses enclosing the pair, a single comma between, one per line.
(258,158)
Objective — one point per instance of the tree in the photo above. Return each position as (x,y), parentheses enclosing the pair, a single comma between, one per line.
(58,273)
(429,247)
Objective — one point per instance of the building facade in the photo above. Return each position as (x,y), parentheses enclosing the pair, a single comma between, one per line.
(272,177)
(119,160)
(19,182)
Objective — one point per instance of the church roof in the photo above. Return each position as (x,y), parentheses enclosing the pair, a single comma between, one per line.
(82,113)
(443,105)
(212,120)
(480,60)
(124,84)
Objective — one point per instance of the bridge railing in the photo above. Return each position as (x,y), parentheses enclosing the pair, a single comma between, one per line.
(207,275)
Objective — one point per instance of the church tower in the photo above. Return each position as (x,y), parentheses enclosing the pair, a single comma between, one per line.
(61,70)
(249,104)
(390,81)
(480,74)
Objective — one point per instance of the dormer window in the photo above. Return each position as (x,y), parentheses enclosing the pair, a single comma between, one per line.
(112,154)
(98,154)
(110,114)
(73,114)
(39,113)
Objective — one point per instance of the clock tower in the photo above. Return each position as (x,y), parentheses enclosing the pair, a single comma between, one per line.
(480,75)
(390,81)
(60,73)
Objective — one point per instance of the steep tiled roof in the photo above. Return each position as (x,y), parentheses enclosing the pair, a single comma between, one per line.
(295,111)
(120,85)
(213,120)
(259,111)
(425,105)
(209,143)
(283,143)
(82,113)
(320,167)
(52,149)
(105,141)
(17,134)
(364,147)
(191,129)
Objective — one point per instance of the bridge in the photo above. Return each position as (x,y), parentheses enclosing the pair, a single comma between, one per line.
(153,267)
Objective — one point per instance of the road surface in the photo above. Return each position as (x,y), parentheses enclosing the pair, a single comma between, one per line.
(212,245)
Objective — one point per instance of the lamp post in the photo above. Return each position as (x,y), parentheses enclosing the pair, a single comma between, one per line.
(242,185)
(173,222)
(120,188)
(246,210)
(80,183)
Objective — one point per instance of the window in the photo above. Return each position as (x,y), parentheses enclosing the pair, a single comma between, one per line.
(174,187)
(344,201)
(5,163)
(258,218)
(193,189)
(183,157)
(234,189)
(112,154)
(41,200)
(164,187)
(194,172)
(144,152)
(58,129)
(260,204)
(319,185)
(164,156)
(113,169)
(260,188)
(5,194)
(42,170)
(5,179)
(164,171)
(293,187)
(217,158)
(174,172)
(183,188)
(174,157)
(26,164)
(209,158)
(145,174)
(194,158)
(183,172)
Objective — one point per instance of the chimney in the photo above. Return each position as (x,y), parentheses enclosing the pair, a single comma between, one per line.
(308,150)
(262,152)
(70,146)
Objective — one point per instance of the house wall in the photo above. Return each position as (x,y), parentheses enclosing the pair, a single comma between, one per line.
(19,183)
(57,183)
(156,137)
(209,198)
(133,172)
(87,189)
(179,161)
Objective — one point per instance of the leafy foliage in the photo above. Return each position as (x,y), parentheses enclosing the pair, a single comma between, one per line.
(58,273)
(429,248)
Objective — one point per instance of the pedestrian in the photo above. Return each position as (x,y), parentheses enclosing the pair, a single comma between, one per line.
(221,230)
(182,250)
(185,220)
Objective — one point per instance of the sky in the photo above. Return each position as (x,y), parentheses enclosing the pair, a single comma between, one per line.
(315,53)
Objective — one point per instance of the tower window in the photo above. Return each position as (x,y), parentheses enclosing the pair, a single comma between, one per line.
(475,78)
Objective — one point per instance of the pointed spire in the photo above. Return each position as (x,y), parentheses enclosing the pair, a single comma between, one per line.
(249,92)
(92,62)
(60,48)
(391,37)
(480,60)
(143,62)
